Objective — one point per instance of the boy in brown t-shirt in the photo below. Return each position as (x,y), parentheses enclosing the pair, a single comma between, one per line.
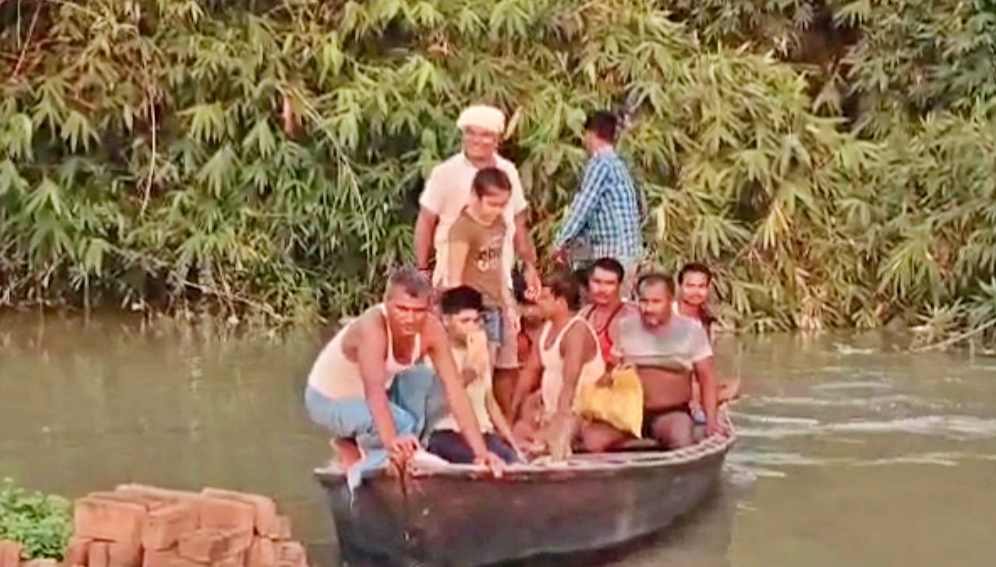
(476,241)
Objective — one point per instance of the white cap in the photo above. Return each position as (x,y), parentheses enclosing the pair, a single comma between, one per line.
(482,116)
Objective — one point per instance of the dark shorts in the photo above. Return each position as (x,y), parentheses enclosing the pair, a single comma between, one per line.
(451,446)
(651,415)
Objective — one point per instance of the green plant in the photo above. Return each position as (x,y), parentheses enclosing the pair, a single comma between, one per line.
(41,523)
(832,159)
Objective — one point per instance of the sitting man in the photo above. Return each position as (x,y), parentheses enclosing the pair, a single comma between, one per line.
(667,351)
(461,308)
(605,279)
(694,281)
(565,355)
(353,386)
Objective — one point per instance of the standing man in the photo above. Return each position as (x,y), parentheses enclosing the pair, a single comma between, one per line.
(605,216)
(448,190)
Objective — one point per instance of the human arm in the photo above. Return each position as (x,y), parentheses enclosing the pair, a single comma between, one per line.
(370,339)
(582,205)
(437,345)
(522,241)
(705,374)
(430,204)
(498,419)
(529,380)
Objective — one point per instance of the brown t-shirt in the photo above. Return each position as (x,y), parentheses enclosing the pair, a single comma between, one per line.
(483,269)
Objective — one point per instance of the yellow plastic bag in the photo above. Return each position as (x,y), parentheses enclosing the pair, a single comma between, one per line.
(619,404)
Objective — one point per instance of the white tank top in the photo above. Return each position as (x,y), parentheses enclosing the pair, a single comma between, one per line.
(338,378)
(553,365)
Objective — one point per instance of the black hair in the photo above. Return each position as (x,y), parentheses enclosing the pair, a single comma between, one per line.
(609,265)
(653,278)
(603,124)
(694,268)
(565,285)
(413,282)
(490,180)
(460,299)
(519,287)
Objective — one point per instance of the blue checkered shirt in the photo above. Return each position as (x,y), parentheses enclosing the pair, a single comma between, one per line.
(606,211)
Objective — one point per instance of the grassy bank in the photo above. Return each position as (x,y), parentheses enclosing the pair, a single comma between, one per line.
(40,523)
(833,160)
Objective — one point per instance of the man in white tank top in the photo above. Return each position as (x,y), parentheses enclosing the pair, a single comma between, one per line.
(351,388)
(565,355)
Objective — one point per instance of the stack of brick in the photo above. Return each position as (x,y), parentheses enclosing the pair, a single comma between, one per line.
(144,526)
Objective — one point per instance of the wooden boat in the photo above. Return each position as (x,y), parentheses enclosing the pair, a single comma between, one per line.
(458,516)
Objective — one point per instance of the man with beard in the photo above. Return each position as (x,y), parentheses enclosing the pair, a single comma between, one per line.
(605,278)
(694,281)
(448,191)
(668,351)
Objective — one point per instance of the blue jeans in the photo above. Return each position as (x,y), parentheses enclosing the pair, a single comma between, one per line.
(416,401)
(493,320)
(451,446)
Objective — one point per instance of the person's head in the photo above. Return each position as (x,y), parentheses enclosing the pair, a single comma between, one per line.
(461,308)
(605,280)
(693,281)
(492,190)
(560,295)
(407,299)
(600,130)
(481,127)
(656,291)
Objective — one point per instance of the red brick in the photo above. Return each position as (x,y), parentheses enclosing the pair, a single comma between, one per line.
(237,560)
(163,526)
(76,552)
(155,493)
(10,554)
(124,554)
(283,528)
(209,546)
(291,553)
(262,553)
(226,514)
(265,508)
(166,558)
(99,517)
(98,554)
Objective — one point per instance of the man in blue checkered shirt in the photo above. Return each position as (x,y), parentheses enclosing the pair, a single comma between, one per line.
(605,215)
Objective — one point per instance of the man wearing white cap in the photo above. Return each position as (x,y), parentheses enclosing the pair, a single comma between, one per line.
(448,190)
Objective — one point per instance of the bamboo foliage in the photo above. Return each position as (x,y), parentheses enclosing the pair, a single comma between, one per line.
(266,155)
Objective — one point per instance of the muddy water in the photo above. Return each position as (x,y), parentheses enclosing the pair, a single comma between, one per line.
(852,453)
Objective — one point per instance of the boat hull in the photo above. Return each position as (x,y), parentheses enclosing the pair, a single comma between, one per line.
(462,518)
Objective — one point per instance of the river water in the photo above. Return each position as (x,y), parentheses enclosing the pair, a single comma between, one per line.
(851,453)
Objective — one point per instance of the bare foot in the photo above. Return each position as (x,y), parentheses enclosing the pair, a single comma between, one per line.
(346,451)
